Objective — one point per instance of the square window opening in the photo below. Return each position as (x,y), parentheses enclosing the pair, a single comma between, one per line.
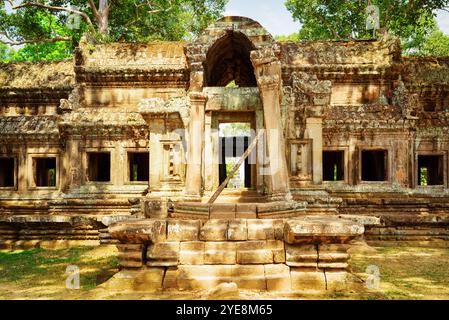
(99,166)
(374,165)
(7,172)
(429,106)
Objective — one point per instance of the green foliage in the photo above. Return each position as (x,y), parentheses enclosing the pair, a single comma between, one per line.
(32,24)
(413,21)
(290,37)
(128,20)
(176,20)
(235,129)
(437,44)
(423,176)
(232,84)
(5,52)
(42,51)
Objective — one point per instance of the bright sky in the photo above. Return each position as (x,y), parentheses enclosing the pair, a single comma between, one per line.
(273,15)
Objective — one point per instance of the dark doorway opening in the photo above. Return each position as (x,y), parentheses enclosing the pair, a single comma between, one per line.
(374,165)
(99,166)
(429,105)
(44,172)
(333,165)
(7,172)
(139,167)
(235,139)
(430,170)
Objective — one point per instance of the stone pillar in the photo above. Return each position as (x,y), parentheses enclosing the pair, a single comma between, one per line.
(208,146)
(314,131)
(157,130)
(211,153)
(260,157)
(195,144)
(268,74)
(22,170)
(74,170)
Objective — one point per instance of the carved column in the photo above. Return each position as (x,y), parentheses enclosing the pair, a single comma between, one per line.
(267,69)
(314,131)
(74,163)
(209,168)
(195,144)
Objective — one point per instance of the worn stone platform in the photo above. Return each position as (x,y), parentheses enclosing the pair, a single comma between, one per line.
(55,230)
(301,254)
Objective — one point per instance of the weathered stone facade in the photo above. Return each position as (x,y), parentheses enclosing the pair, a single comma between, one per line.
(130,132)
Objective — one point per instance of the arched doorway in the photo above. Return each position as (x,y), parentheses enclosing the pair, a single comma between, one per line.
(238,50)
(229,73)
(229,60)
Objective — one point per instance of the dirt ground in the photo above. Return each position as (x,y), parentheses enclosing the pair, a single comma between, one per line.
(405,273)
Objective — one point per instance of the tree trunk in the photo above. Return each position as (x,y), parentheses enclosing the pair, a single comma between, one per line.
(103,17)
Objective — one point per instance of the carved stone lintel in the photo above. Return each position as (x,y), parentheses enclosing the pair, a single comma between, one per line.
(263,56)
(197,79)
(269,82)
(157,107)
(309,84)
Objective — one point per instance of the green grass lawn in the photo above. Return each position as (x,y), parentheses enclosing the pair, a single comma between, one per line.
(405,273)
(45,269)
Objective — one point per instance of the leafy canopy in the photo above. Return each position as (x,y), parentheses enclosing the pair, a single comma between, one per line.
(437,44)
(45,30)
(412,21)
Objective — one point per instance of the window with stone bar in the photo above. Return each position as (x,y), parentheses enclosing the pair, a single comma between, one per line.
(172,161)
(333,165)
(138,166)
(44,171)
(430,170)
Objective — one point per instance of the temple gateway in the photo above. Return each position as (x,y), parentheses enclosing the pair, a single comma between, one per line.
(231,158)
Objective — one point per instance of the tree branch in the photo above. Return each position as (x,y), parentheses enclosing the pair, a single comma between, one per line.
(54,8)
(94,10)
(150,4)
(38,40)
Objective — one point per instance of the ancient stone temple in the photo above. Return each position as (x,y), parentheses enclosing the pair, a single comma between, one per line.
(122,145)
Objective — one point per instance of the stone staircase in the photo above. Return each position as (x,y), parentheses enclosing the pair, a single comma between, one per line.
(205,211)
(239,196)
(249,204)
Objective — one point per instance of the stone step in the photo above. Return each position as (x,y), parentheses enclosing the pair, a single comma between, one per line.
(215,253)
(253,210)
(236,198)
(254,277)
